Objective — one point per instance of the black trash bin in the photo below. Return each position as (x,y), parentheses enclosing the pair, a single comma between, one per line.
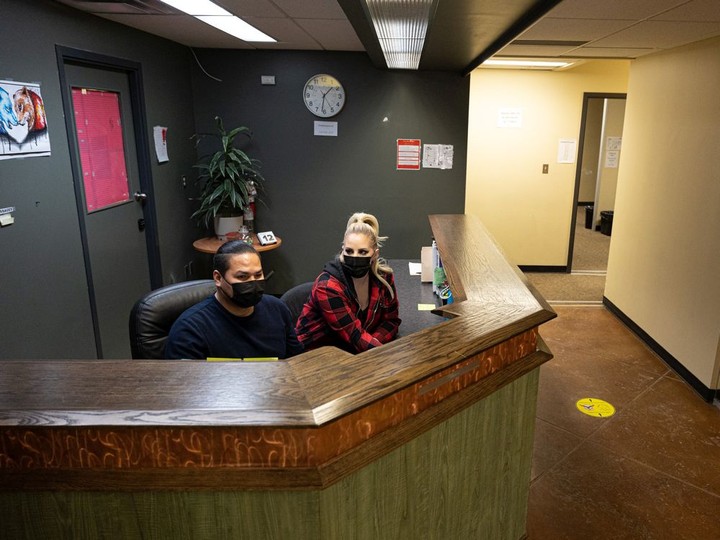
(606,219)
(589,211)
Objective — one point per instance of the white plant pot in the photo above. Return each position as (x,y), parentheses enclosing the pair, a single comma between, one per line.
(224,225)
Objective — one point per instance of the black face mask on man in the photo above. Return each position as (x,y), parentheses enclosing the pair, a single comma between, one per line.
(357,267)
(247,293)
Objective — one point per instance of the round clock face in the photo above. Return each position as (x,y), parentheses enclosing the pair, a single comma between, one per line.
(324,96)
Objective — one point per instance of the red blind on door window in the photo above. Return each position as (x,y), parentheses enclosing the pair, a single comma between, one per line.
(100,141)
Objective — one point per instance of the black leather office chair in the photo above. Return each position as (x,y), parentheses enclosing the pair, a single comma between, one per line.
(153,315)
(295,298)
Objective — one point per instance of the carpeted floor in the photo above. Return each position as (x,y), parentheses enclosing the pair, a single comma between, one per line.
(591,247)
(586,283)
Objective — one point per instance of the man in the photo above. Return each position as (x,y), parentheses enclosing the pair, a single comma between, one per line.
(238,321)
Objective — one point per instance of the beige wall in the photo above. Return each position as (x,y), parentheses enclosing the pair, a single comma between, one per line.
(665,253)
(528,212)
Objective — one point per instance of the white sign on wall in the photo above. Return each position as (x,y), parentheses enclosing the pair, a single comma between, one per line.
(566,150)
(509,118)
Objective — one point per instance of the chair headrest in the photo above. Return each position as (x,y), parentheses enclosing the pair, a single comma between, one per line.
(296,297)
(154,314)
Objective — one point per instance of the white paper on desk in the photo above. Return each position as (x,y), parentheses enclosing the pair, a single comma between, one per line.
(160,137)
(415,268)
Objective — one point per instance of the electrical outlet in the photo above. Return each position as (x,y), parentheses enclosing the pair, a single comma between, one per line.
(546,168)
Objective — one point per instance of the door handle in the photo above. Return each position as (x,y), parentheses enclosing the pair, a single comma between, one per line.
(140,197)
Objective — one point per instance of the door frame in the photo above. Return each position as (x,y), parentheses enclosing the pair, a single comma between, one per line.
(133,70)
(587,96)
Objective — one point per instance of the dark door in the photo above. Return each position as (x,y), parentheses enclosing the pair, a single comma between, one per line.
(111,202)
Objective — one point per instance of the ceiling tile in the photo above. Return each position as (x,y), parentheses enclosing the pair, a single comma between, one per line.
(289,35)
(572,29)
(535,50)
(255,8)
(697,10)
(610,52)
(181,29)
(333,35)
(612,9)
(660,34)
(311,9)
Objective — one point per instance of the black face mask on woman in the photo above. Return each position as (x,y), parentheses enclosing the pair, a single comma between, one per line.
(247,293)
(357,267)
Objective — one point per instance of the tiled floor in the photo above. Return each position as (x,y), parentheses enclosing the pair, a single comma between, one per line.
(650,471)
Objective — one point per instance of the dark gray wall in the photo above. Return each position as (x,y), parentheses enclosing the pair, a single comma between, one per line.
(315,183)
(43,290)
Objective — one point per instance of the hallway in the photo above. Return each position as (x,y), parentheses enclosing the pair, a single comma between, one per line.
(650,471)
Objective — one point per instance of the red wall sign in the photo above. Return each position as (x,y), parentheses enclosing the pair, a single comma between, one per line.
(408,154)
(102,152)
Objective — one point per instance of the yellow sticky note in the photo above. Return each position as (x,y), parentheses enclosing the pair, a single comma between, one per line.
(426,307)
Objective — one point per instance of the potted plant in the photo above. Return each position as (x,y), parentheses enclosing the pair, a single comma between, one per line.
(228,177)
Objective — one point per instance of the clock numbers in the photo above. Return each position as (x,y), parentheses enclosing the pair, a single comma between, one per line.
(324,96)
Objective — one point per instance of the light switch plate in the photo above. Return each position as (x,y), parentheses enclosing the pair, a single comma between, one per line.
(267,79)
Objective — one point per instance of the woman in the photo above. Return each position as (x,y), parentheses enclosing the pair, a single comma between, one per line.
(353,304)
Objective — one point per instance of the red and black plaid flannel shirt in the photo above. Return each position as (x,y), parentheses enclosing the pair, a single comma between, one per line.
(330,316)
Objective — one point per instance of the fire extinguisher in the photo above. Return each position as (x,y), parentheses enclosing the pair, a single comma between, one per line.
(249,214)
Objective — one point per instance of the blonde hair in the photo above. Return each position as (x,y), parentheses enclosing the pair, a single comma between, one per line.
(367,225)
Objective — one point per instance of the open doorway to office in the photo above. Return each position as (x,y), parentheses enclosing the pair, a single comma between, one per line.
(596,182)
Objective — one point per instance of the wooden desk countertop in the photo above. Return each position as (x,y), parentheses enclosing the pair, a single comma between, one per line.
(304,423)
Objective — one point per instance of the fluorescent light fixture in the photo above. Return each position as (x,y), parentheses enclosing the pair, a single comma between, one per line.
(236,27)
(400,26)
(528,64)
(215,16)
(197,7)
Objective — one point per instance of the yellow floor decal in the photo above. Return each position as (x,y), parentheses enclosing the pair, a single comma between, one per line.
(595,407)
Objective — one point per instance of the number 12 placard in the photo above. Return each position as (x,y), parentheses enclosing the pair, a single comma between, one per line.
(266,238)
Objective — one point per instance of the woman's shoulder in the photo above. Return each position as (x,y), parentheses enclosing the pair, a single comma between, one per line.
(327,280)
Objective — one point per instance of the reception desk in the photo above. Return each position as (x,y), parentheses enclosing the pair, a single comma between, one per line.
(429,436)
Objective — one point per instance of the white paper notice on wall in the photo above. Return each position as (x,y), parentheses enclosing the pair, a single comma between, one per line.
(509,118)
(611,159)
(566,150)
(160,137)
(437,156)
(325,129)
(614,143)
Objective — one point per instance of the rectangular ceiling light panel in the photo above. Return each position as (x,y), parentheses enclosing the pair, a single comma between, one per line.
(214,15)
(400,26)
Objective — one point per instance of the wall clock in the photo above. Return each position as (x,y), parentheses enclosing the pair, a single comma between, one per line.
(324,96)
